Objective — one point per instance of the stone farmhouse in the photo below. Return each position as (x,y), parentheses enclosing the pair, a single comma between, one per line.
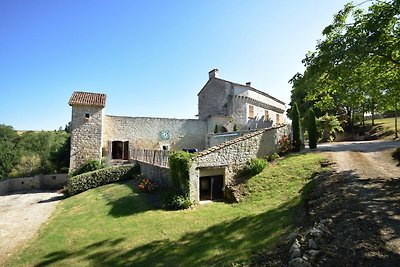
(248,121)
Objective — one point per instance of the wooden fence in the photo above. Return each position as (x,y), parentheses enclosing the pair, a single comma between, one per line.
(155,157)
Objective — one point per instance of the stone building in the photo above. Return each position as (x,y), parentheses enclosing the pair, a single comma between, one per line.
(222,104)
(226,104)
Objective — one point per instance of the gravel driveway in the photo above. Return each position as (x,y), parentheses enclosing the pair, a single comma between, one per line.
(21,216)
(362,196)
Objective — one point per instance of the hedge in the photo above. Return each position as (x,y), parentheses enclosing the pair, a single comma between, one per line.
(86,181)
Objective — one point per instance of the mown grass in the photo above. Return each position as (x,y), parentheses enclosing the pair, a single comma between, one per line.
(115,225)
(384,128)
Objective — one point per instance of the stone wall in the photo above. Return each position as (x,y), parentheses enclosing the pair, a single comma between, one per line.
(146,132)
(232,155)
(86,136)
(213,99)
(51,181)
(159,174)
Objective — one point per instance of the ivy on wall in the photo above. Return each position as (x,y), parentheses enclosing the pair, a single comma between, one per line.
(179,165)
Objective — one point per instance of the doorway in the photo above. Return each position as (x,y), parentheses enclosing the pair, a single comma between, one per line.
(120,150)
(211,187)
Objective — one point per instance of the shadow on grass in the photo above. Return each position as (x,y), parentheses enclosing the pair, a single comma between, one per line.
(225,242)
(135,202)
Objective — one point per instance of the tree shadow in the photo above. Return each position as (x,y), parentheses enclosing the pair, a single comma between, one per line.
(135,202)
(219,244)
(366,218)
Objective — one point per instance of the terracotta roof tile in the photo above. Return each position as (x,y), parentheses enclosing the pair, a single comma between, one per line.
(87,99)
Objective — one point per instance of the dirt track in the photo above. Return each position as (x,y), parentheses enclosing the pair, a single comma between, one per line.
(362,196)
(21,216)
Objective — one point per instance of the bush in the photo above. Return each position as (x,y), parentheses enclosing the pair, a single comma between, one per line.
(254,166)
(285,145)
(175,201)
(88,166)
(272,156)
(86,181)
(147,185)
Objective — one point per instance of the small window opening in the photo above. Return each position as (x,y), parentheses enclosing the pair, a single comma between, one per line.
(87,115)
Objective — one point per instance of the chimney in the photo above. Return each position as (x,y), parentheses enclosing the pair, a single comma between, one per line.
(213,73)
(248,84)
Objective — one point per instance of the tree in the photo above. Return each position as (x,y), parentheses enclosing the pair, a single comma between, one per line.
(296,128)
(9,152)
(354,64)
(312,130)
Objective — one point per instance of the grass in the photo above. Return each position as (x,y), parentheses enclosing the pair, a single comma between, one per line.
(115,225)
(384,128)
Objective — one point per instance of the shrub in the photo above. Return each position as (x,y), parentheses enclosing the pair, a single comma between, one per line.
(147,185)
(284,144)
(88,166)
(179,165)
(312,130)
(86,181)
(254,166)
(175,201)
(272,156)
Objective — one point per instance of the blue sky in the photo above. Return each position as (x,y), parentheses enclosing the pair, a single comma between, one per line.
(151,58)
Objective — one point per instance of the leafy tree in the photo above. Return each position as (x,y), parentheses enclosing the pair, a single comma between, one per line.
(296,128)
(9,152)
(355,67)
(312,130)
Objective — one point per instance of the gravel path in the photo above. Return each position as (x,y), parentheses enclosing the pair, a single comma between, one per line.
(362,196)
(21,216)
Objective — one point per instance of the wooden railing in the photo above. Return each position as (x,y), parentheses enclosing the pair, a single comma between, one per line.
(155,157)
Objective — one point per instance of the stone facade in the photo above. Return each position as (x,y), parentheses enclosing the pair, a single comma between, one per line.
(228,158)
(226,103)
(86,135)
(147,132)
(223,103)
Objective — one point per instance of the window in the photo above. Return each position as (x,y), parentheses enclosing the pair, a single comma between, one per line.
(251,111)
(87,116)
(278,119)
(266,115)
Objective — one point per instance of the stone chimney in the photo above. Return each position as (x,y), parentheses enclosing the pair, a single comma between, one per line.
(248,84)
(213,73)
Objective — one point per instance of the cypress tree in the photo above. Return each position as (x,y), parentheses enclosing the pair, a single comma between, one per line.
(312,130)
(296,128)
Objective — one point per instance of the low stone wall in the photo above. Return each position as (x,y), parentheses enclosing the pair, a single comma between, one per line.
(232,155)
(156,173)
(51,181)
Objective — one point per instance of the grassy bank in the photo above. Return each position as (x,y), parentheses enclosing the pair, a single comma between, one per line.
(115,225)
(383,128)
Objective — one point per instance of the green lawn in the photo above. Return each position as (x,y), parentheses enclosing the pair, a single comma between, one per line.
(115,225)
(384,127)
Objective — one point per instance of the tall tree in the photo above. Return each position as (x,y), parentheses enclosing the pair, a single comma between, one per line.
(296,128)
(312,130)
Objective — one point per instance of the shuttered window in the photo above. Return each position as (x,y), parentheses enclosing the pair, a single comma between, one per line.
(251,111)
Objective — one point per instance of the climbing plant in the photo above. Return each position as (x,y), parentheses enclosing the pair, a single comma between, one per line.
(179,165)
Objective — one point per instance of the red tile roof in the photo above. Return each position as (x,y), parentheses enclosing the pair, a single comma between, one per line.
(87,99)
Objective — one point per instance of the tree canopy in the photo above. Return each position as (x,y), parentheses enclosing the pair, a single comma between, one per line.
(355,67)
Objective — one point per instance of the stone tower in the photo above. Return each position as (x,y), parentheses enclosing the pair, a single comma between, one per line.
(86,127)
